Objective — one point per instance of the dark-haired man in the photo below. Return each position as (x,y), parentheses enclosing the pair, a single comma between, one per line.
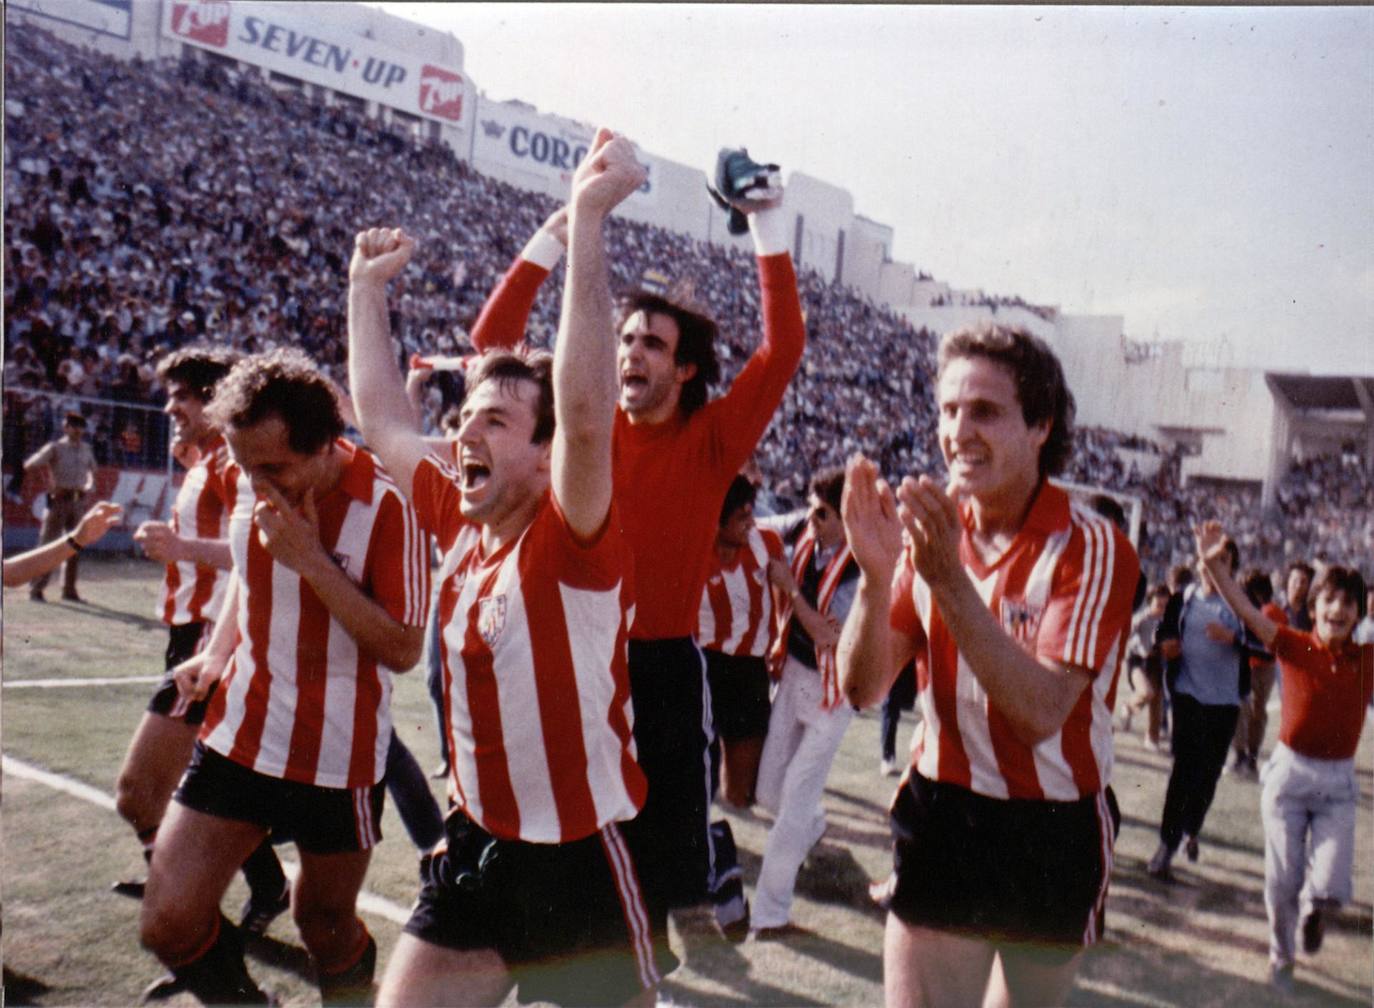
(1297,581)
(70,466)
(194,546)
(1207,650)
(534,884)
(1021,601)
(328,597)
(809,716)
(675,453)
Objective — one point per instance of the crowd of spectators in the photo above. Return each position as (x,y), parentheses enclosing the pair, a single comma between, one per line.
(148,205)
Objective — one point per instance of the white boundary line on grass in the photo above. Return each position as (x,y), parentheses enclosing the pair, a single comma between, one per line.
(370,902)
(59,683)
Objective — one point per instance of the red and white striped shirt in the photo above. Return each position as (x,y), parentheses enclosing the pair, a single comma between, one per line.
(192,592)
(736,615)
(299,700)
(1063,590)
(535,680)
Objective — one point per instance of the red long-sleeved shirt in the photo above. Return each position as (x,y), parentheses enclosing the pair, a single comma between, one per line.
(671,478)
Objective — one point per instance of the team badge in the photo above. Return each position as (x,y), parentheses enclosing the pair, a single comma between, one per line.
(1021,621)
(491,618)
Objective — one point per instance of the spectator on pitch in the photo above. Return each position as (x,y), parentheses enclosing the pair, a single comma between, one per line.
(676,451)
(1310,791)
(1254,709)
(69,467)
(809,715)
(194,547)
(535,885)
(329,558)
(24,567)
(1205,648)
(1297,580)
(1145,668)
(735,629)
(1021,602)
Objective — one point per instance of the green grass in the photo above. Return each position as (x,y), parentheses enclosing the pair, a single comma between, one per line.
(1199,942)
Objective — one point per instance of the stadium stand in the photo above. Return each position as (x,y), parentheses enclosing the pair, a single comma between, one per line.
(149,205)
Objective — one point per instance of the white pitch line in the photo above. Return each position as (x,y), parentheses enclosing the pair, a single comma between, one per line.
(59,683)
(370,902)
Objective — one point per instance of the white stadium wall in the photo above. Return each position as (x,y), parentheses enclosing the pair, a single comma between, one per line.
(868,245)
(1228,411)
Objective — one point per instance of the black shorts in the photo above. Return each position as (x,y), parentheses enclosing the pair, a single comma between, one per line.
(739,695)
(1002,870)
(183,641)
(567,919)
(673,732)
(320,820)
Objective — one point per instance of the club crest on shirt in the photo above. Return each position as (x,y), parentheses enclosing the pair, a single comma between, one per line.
(1021,621)
(491,618)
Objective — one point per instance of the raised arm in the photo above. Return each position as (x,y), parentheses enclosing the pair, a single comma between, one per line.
(502,321)
(870,651)
(758,389)
(1211,540)
(379,396)
(584,358)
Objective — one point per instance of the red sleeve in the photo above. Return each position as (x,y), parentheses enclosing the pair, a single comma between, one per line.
(596,564)
(1275,613)
(772,542)
(398,557)
(744,412)
(1089,610)
(501,323)
(437,499)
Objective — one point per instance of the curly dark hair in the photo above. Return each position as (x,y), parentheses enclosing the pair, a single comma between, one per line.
(281,383)
(696,343)
(506,368)
(1039,378)
(200,368)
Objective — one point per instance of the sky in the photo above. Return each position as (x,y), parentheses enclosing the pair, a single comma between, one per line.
(1207,173)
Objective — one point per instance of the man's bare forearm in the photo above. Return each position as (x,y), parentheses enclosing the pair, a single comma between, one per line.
(865,654)
(1034,698)
(377,634)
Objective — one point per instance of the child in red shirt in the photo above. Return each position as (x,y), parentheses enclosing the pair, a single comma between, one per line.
(1308,801)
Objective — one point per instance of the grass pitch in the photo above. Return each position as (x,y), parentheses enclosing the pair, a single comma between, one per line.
(68,940)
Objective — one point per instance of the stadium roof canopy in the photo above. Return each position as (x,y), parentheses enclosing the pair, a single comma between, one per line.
(1324,392)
